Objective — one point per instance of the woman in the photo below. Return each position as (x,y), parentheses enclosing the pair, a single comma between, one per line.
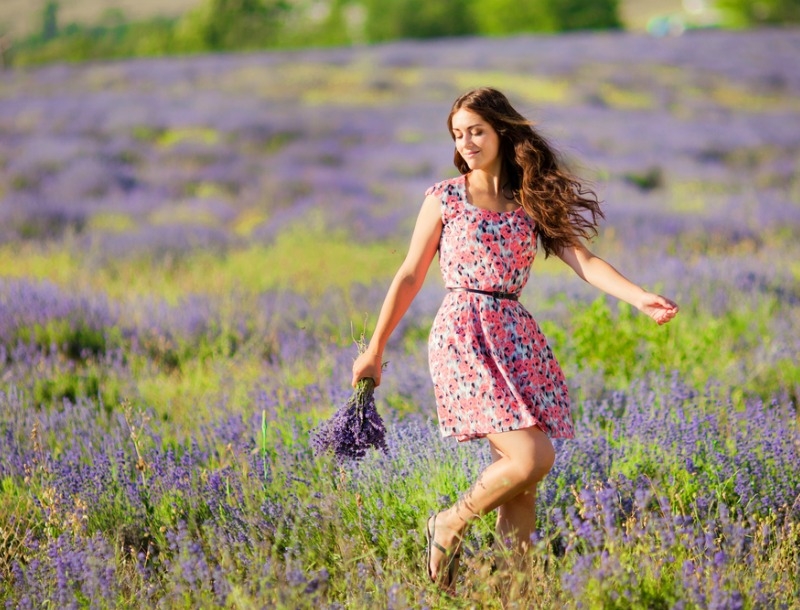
(493,372)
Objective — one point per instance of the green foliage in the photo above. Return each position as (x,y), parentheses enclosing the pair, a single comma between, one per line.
(49,20)
(76,43)
(745,13)
(498,17)
(224,25)
(655,590)
(586,14)
(18,519)
(331,23)
(71,384)
(78,371)
(417,19)
(596,339)
(625,345)
(648,180)
(75,339)
(228,25)
(602,341)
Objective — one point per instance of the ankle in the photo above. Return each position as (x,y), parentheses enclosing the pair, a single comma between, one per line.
(452,520)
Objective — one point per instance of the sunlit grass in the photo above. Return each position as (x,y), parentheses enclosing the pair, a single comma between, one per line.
(188,397)
(551,265)
(692,196)
(113,222)
(38,263)
(182,213)
(360,83)
(624,98)
(301,259)
(734,97)
(202,135)
(740,99)
(536,89)
(315,83)
(248,220)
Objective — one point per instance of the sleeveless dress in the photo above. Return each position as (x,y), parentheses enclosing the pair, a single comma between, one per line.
(492,368)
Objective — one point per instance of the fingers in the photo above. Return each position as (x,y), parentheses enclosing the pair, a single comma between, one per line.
(661,309)
(671,306)
(362,368)
(665,302)
(359,376)
(662,316)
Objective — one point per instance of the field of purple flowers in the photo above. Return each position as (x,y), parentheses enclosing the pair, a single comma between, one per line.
(188,247)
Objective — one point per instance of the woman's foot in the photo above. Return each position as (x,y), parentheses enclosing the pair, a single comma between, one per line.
(443,551)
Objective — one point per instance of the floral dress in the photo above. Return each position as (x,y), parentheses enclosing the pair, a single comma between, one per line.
(492,368)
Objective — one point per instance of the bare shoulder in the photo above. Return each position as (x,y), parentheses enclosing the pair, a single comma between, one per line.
(431,207)
(444,186)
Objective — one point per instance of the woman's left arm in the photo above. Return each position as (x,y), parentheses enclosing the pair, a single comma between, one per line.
(603,276)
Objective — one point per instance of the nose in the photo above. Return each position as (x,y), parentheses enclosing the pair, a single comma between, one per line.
(466,142)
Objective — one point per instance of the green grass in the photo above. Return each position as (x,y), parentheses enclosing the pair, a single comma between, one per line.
(533,89)
(303,259)
(626,345)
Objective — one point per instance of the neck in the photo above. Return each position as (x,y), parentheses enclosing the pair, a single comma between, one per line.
(488,180)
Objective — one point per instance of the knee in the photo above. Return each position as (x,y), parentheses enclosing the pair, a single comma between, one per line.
(547,460)
(528,453)
(534,467)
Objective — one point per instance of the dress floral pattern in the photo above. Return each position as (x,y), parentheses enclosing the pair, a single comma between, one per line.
(492,368)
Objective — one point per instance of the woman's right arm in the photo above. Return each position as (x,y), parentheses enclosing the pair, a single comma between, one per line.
(405,286)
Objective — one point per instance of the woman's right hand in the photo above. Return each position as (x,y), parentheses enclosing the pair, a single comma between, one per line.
(367,364)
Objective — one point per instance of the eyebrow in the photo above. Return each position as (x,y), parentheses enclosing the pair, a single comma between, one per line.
(470,127)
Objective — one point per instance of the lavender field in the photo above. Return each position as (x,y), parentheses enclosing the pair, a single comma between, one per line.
(188,247)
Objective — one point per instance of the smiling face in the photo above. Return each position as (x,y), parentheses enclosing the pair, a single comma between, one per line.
(476,141)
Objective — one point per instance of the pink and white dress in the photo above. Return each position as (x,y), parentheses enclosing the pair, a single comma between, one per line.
(492,368)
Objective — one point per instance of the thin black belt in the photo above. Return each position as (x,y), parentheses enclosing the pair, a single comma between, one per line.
(497,295)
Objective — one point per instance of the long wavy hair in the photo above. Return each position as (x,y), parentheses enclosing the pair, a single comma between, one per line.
(565,210)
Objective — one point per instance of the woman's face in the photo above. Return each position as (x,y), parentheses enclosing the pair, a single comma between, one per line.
(476,141)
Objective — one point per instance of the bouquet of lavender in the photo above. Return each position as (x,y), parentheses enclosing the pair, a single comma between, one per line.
(354,427)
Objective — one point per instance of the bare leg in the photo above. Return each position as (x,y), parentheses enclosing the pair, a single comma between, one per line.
(516,518)
(523,458)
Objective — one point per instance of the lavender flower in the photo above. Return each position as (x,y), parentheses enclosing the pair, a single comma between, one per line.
(354,427)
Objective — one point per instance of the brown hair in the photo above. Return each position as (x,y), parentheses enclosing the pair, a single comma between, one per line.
(565,211)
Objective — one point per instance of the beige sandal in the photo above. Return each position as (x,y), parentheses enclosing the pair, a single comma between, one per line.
(452,558)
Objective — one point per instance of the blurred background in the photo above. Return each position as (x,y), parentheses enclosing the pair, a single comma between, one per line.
(37,31)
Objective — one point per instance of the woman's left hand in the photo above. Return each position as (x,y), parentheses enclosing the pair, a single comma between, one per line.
(661,309)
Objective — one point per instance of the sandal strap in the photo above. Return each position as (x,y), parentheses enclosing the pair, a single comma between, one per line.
(440,548)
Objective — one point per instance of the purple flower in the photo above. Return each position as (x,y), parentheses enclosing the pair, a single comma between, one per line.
(354,427)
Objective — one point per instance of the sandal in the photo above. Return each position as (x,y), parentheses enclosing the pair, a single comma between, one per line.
(448,580)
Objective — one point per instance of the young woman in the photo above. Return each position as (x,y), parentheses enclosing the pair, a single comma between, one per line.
(493,372)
